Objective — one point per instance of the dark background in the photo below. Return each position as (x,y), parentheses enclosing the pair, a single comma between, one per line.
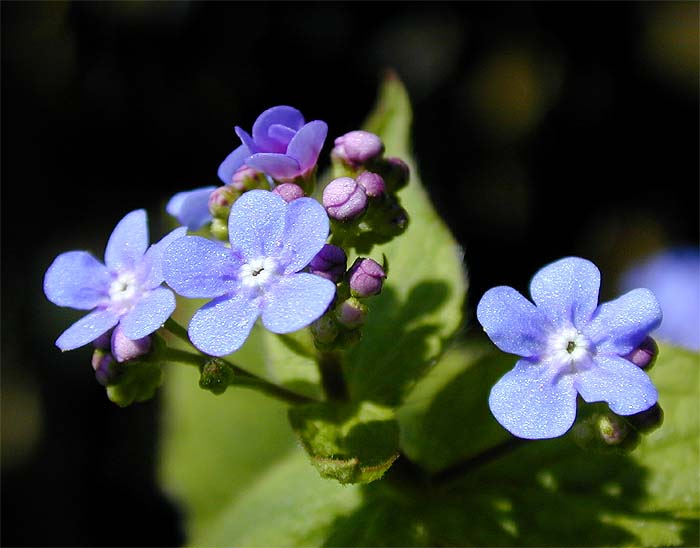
(541,130)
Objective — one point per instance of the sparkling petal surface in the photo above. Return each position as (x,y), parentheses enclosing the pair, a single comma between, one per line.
(619,326)
(191,208)
(149,313)
(199,268)
(277,166)
(256,224)
(78,280)
(153,260)
(87,329)
(566,291)
(307,144)
(511,321)
(626,388)
(128,242)
(532,402)
(280,115)
(305,232)
(296,301)
(222,326)
(232,162)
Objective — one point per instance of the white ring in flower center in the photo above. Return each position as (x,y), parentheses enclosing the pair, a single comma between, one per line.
(569,347)
(258,272)
(123,288)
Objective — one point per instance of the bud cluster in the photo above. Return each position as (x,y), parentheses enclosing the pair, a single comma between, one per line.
(114,348)
(341,324)
(361,201)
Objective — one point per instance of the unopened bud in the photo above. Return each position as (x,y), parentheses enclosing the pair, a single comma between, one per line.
(219,229)
(351,313)
(329,263)
(216,376)
(344,199)
(103,364)
(644,356)
(372,183)
(125,349)
(325,330)
(648,420)
(357,148)
(248,178)
(395,173)
(366,278)
(613,429)
(221,200)
(288,191)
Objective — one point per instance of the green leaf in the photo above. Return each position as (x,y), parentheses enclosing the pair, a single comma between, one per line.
(420,307)
(545,493)
(347,442)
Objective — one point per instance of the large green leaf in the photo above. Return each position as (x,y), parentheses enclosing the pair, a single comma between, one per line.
(545,493)
(420,306)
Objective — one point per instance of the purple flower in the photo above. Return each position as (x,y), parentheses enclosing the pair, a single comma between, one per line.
(568,345)
(271,241)
(191,208)
(674,277)
(283,146)
(126,290)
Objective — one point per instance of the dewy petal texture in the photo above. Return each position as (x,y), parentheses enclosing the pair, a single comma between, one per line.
(619,326)
(256,223)
(149,313)
(296,301)
(222,326)
(153,260)
(567,290)
(78,280)
(199,268)
(624,386)
(305,232)
(87,329)
(128,242)
(533,402)
(511,321)
(571,346)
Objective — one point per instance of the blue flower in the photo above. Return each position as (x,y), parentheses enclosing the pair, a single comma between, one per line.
(259,275)
(282,146)
(674,277)
(126,290)
(568,345)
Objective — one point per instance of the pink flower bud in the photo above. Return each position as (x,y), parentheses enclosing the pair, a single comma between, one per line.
(372,183)
(288,191)
(357,148)
(344,199)
(124,349)
(366,277)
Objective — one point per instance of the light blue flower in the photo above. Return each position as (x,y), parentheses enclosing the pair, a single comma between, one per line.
(569,345)
(126,290)
(674,277)
(258,276)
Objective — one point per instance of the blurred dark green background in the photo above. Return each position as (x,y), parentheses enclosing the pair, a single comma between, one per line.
(541,130)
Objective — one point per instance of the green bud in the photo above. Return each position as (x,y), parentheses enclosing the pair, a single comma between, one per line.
(604,432)
(324,330)
(216,376)
(221,200)
(219,229)
(136,381)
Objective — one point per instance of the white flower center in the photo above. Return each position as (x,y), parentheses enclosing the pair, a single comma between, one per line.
(568,348)
(123,288)
(257,273)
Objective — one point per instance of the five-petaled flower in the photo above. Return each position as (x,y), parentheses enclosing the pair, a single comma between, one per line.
(259,275)
(568,345)
(282,146)
(126,290)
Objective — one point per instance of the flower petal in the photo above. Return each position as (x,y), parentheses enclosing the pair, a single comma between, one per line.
(232,162)
(296,301)
(512,322)
(624,386)
(222,326)
(128,242)
(153,260)
(87,329)
(566,291)
(305,232)
(191,208)
(277,166)
(256,224)
(149,313)
(199,268)
(78,280)
(282,134)
(307,144)
(619,326)
(531,401)
(281,115)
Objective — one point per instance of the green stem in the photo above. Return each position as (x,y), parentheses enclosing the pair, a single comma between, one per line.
(331,368)
(177,330)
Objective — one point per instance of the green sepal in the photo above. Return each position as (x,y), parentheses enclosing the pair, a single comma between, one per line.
(348,442)
(136,381)
(216,376)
